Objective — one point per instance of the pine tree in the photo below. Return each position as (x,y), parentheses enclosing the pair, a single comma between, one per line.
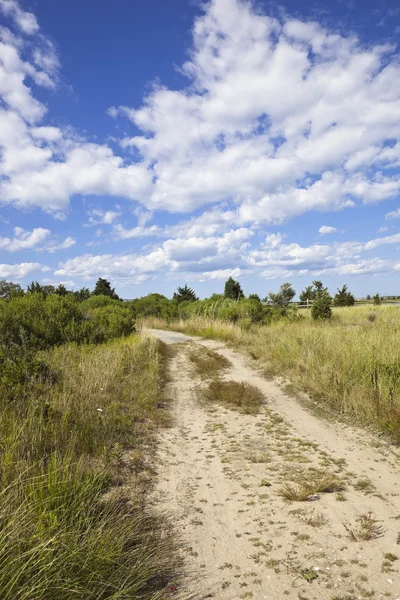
(322,306)
(185,294)
(103,288)
(284,296)
(233,289)
(344,297)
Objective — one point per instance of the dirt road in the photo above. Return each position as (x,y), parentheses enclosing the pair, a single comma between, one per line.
(221,476)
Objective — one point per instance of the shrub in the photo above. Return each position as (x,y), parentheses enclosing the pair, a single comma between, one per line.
(377,300)
(322,307)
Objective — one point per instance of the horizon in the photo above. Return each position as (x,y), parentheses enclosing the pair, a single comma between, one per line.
(187,142)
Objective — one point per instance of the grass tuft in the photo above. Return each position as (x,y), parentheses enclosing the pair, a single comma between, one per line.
(208,363)
(236,395)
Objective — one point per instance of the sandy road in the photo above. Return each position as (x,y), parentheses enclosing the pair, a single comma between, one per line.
(219,476)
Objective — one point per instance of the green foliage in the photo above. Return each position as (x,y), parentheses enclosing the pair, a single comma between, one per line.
(283,297)
(307,294)
(103,288)
(154,305)
(344,297)
(322,306)
(233,290)
(36,322)
(82,294)
(8,290)
(61,290)
(35,288)
(376,299)
(185,294)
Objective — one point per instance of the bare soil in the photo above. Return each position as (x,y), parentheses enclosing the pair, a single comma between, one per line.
(220,478)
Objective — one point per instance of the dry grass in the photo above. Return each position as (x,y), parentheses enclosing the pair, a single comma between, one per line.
(311,483)
(367,528)
(236,395)
(208,363)
(350,363)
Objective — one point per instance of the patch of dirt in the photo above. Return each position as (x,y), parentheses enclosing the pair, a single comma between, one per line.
(222,477)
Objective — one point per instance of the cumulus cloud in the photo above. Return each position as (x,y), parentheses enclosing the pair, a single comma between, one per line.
(326,229)
(18,271)
(24,240)
(207,258)
(232,137)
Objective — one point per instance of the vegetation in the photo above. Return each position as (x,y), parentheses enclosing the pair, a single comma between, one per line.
(349,363)
(344,297)
(185,294)
(283,297)
(78,408)
(321,308)
(233,290)
(236,395)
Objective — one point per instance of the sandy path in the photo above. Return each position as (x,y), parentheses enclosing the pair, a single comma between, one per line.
(241,539)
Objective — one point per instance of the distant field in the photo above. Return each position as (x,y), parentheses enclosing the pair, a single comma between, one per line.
(351,363)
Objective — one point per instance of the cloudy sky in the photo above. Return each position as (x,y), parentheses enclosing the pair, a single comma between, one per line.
(157,143)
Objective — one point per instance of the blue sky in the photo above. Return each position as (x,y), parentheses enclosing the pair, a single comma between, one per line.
(157,143)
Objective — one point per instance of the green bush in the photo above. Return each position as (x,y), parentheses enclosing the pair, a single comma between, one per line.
(322,307)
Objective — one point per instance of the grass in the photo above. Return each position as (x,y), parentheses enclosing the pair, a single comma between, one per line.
(367,528)
(311,483)
(75,472)
(350,364)
(208,363)
(235,395)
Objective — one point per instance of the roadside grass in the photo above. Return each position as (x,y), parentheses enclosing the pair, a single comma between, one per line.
(80,433)
(350,364)
(239,396)
(208,363)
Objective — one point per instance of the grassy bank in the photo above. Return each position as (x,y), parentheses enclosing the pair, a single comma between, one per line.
(74,475)
(351,363)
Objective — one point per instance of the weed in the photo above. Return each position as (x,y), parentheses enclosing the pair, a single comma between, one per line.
(208,363)
(237,395)
(367,528)
(309,575)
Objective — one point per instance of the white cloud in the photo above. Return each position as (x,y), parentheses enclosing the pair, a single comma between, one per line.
(20,270)
(326,229)
(120,233)
(24,240)
(26,21)
(383,229)
(99,216)
(233,135)
(395,214)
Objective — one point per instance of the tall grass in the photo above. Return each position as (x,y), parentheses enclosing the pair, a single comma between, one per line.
(63,534)
(351,363)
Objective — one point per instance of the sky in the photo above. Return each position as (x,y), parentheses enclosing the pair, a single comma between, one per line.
(162,143)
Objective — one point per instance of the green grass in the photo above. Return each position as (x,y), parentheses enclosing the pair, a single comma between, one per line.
(74,472)
(350,364)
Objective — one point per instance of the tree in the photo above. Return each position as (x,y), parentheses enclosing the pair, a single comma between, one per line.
(318,288)
(322,306)
(377,300)
(368,296)
(8,290)
(82,294)
(283,297)
(35,288)
(185,294)
(344,297)
(61,290)
(307,294)
(254,297)
(233,289)
(103,288)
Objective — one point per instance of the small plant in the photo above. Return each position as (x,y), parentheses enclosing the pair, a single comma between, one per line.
(367,528)
(376,300)
(208,363)
(265,483)
(309,575)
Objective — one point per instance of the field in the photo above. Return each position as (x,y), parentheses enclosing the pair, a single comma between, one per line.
(350,363)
